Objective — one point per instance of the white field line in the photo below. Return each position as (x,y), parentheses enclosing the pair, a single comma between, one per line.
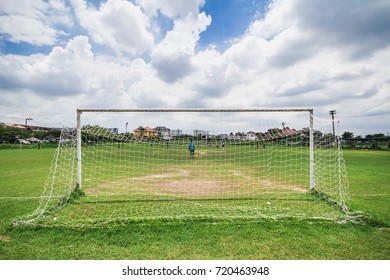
(22,172)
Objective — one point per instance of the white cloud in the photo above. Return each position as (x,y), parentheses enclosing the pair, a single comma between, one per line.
(117,24)
(292,39)
(35,22)
(361,27)
(55,74)
(171,8)
(172,56)
(277,19)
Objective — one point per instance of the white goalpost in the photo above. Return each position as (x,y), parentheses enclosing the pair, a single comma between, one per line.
(122,165)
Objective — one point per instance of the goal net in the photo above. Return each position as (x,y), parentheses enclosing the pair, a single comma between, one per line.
(132,165)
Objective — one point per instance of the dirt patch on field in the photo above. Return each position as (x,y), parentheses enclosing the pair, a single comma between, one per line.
(192,187)
(167,175)
(182,182)
(237,173)
(282,186)
(296,188)
(91,191)
(4,237)
(192,182)
(268,184)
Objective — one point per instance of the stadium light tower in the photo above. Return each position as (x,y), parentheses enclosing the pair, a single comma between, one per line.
(332,113)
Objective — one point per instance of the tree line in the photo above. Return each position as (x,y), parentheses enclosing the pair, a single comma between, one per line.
(378,136)
(370,141)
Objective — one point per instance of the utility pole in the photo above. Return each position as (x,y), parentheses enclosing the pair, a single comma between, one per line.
(332,113)
(26,120)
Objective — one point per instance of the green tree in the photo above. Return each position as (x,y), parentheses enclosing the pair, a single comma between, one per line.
(375,136)
(10,134)
(347,135)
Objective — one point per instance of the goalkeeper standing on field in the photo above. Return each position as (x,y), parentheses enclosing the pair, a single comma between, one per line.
(191,148)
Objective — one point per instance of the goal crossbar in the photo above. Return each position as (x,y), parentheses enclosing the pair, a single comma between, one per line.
(190,110)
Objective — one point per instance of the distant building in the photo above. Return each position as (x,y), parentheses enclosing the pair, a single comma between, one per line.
(145,132)
(198,132)
(113,130)
(163,130)
(250,136)
(234,137)
(176,132)
(223,136)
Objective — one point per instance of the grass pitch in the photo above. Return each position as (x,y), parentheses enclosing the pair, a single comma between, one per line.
(23,172)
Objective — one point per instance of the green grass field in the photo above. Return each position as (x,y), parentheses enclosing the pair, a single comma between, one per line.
(134,181)
(23,173)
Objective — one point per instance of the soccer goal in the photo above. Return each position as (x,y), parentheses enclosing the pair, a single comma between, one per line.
(127,165)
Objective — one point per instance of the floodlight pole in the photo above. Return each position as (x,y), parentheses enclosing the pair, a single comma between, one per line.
(78,143)
(332,113)
(311,147)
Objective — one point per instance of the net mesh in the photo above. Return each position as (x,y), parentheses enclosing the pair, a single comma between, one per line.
(246,165)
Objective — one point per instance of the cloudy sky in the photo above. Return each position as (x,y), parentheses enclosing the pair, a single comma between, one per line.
(59,55)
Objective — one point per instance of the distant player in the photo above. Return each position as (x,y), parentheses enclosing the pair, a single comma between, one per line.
(191,148)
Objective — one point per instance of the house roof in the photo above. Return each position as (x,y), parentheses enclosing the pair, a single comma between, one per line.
(289,131)
(22,126)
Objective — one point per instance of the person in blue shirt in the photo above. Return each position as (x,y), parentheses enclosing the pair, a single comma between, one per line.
(191,148)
